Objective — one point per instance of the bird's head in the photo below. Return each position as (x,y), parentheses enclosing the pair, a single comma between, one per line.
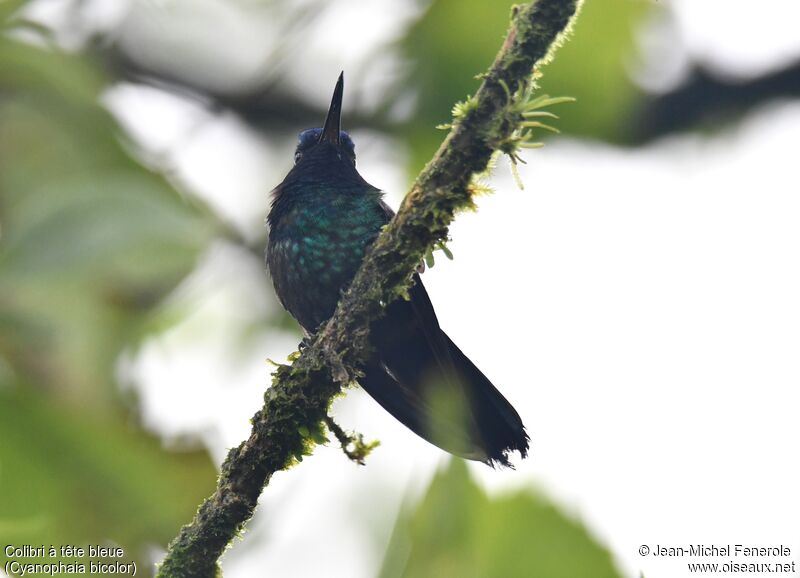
(330,138)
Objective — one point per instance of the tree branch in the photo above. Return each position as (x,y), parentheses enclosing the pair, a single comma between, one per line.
(295,408)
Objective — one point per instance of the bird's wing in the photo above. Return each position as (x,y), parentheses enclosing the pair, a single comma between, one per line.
(424,380)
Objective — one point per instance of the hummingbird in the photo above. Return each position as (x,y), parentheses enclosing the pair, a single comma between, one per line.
(322,219)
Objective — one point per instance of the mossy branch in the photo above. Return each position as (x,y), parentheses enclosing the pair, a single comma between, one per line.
(295,409)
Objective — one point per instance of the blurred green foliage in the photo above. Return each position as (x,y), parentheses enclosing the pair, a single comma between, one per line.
(457,40)
(90,243)
(81,477)
(457,530)
(594,67)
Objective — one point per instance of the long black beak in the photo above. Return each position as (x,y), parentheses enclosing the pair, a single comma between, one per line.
(333,122)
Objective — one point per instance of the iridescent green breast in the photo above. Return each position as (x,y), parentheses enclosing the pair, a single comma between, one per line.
(316,248)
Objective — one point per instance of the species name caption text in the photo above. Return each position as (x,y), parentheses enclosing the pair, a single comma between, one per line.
(27,560)
(727,558)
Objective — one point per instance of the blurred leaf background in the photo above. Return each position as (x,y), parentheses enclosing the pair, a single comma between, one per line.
(102,228)
(92,242)
(457,530)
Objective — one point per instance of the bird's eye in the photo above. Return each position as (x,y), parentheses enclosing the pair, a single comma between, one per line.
(297,156)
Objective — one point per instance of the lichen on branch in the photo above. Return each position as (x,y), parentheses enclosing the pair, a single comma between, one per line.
(295,411)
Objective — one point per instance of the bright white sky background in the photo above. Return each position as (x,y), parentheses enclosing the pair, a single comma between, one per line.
(654,293)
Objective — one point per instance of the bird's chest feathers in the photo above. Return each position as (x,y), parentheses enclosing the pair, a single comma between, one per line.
(328,239)
(315,250)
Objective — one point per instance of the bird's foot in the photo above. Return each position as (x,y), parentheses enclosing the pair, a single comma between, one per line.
(305,343)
